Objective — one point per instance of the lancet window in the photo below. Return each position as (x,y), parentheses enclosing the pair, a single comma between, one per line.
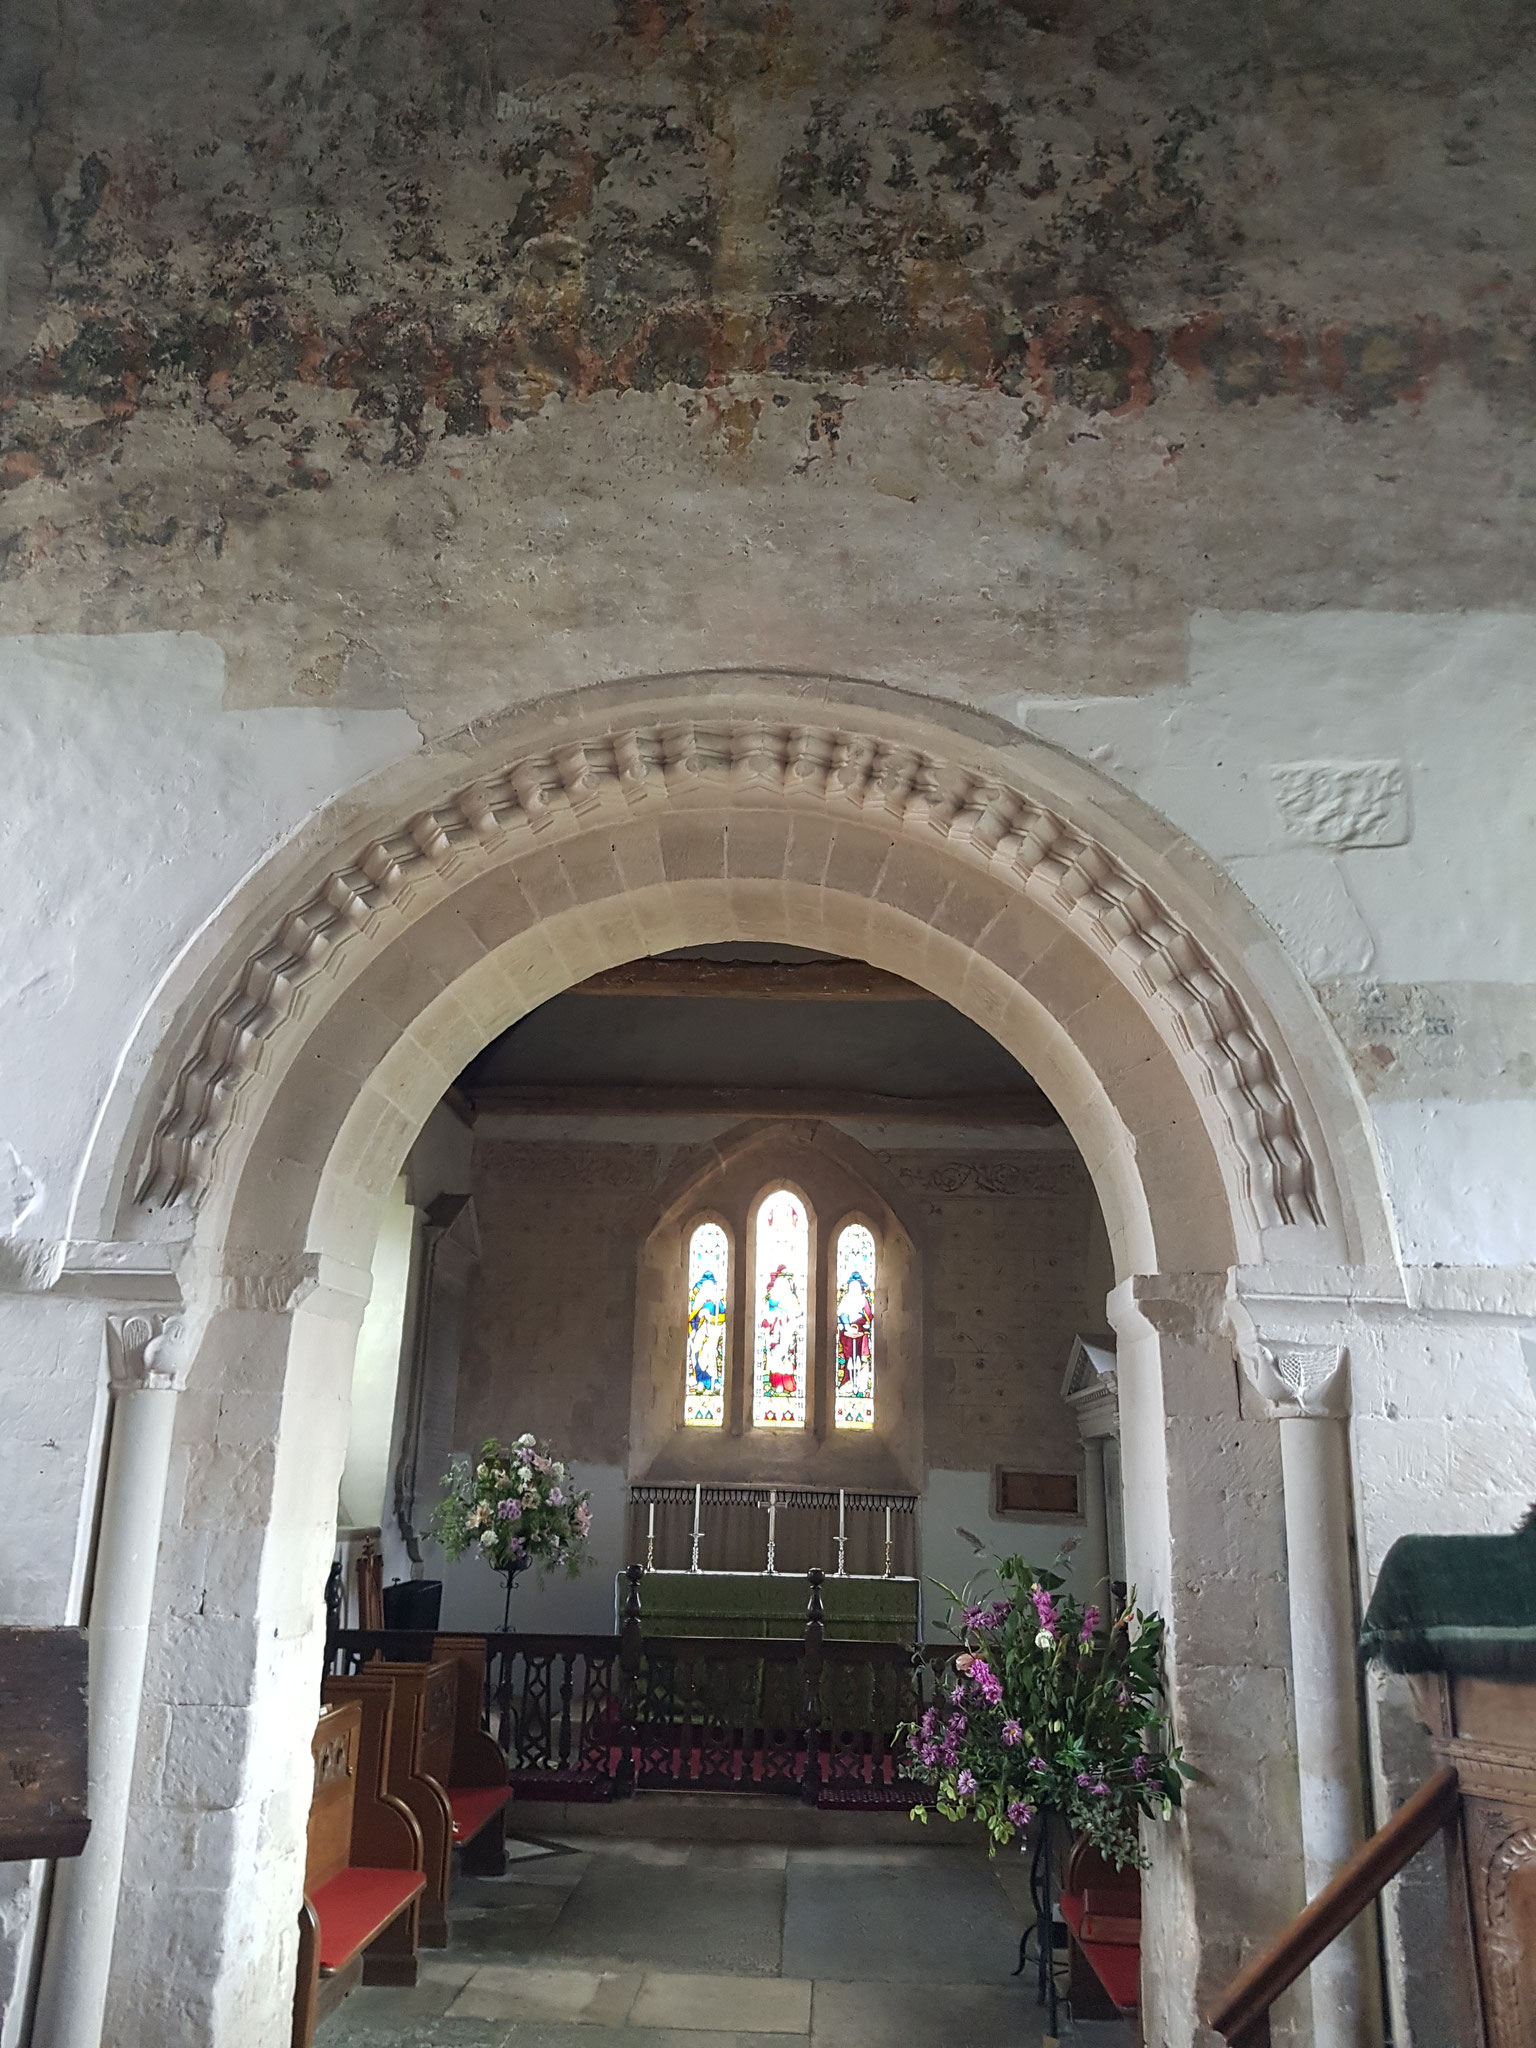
(783,1283)
(783,1338)
(709,1273)
(853,1405)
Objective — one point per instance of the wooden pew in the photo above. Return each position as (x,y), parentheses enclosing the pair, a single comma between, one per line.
(420,1759)
(362,1874)
(1102,1909)
(455,1751)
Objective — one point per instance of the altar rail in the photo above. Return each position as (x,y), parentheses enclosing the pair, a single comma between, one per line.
(594,1716)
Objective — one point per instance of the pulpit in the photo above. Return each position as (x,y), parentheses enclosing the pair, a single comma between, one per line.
(1457,1616)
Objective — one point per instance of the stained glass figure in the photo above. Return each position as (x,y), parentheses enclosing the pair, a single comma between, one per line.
(709,1257)
(853,1403)
(783,1266)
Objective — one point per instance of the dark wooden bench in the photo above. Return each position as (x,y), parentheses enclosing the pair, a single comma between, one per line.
(455,1751)
(362,1874)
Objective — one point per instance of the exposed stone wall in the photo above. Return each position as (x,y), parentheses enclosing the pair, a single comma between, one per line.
(1042,323)
(1018,1265)
(550,1329)
(1014,1264)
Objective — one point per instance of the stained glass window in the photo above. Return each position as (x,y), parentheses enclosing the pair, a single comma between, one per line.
(709,1259)
(853,1405)
(779,1355)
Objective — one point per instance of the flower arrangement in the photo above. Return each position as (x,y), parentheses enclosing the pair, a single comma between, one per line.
(1044,1708)
(514,1506)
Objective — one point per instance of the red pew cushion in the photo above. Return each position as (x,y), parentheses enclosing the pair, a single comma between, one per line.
(1116,1964)
(355,1906)
(473,1805)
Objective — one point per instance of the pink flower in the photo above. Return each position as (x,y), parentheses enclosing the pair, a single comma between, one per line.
(510,1510)
(1090,1623)
(1020,1814)
(965,1785)
(1013,1734)
(1045,1608)
(928,1754)
(1139,1769)
(986,1681)
(556,1497)
(1038,1763)
(956,1695)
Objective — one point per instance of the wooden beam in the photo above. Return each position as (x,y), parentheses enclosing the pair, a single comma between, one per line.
(799,981)
(1027,1107)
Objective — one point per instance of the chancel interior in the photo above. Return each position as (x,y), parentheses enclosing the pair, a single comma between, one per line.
(780,752)
(747,1219)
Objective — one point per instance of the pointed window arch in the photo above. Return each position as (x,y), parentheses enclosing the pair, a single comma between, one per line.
(709,1277)
(853,1403)
(780,1293)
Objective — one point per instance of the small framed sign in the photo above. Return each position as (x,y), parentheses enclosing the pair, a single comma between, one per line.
(1036,1496)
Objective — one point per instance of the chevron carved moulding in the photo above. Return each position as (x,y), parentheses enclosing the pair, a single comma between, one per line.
(590,782)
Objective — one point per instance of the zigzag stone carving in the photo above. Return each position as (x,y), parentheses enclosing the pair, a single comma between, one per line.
(578,784)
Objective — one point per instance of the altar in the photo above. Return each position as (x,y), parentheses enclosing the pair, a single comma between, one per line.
(731,1561)
(763,1605)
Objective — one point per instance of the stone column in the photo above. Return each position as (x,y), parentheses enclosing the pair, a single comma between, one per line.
(1205,1546)
(1305,1389)
(213,1866)
(77,1952)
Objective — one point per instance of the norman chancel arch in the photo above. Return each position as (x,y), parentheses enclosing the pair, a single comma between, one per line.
(352,979)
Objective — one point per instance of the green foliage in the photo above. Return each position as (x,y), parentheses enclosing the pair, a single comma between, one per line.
(1042,1706)
(515,1506)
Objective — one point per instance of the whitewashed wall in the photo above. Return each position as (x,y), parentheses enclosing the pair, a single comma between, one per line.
(1364,777)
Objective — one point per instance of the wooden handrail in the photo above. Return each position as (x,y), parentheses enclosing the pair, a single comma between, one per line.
(1241,2014)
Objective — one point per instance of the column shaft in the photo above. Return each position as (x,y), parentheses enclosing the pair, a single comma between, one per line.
(77,1954)
(1314,1455)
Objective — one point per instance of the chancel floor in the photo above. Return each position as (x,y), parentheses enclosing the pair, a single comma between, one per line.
(696,1945)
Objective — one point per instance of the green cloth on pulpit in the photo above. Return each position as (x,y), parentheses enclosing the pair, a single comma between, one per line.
(1459,1604)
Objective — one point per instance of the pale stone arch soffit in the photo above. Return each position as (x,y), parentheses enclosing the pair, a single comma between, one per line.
(1143,914)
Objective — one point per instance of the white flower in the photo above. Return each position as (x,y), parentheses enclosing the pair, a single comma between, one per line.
(488,1540)
(527,1437)
(1045,1640)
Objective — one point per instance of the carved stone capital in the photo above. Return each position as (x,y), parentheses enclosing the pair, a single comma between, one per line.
(146,1352)
(1299,1380)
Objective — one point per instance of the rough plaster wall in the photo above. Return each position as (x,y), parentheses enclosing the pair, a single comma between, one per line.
(969,344)
(134,804)
(1366,782)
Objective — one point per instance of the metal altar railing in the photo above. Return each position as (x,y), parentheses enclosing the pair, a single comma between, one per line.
(597,1715)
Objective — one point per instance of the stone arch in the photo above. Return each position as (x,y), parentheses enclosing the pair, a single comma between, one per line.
(341,993)
(1053,883)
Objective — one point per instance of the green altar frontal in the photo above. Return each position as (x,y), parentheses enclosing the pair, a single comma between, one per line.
(753,1604)
(1465,1605)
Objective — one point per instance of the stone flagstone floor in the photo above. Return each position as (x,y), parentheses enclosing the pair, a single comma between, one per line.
(693,1945)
